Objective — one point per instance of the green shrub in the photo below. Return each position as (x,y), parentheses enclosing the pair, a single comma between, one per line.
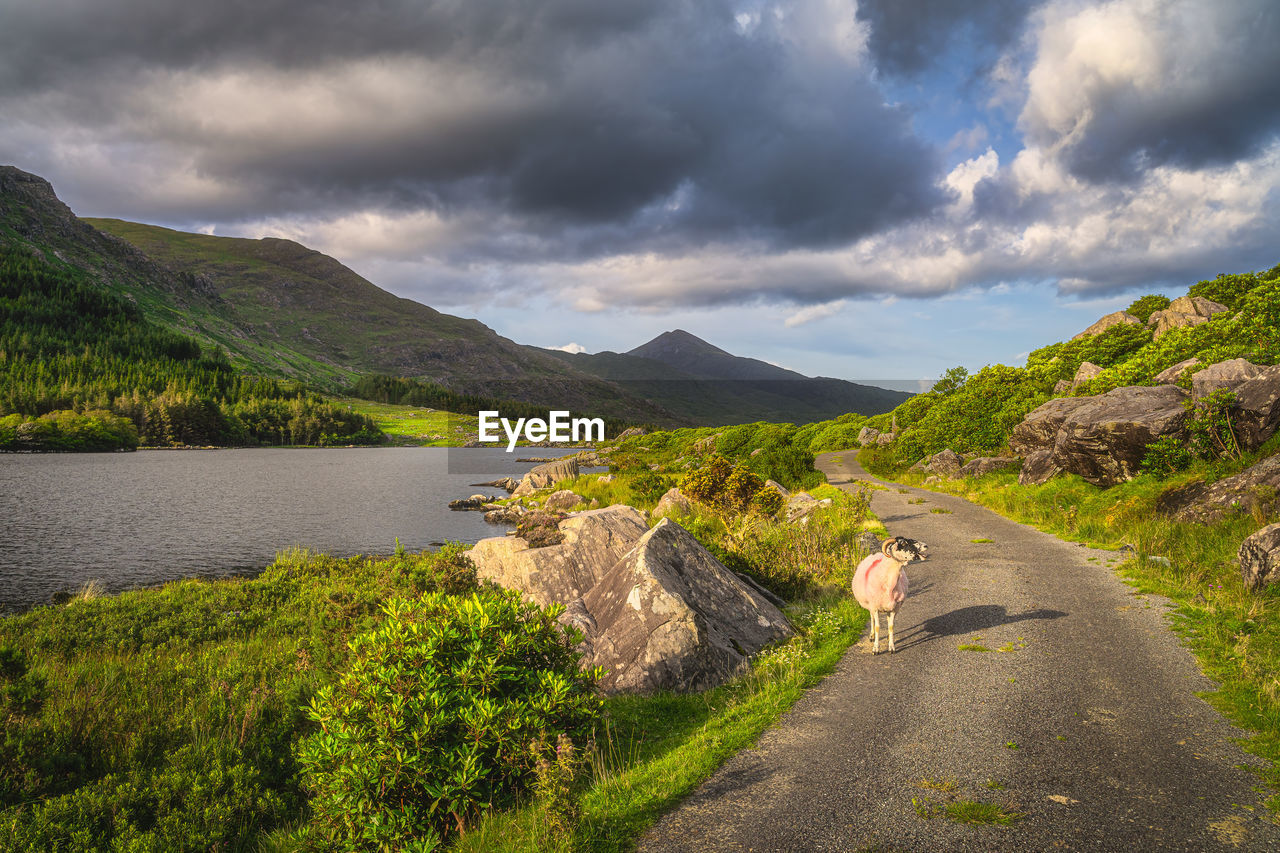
(766,501)
(650,485)
(1145,306)
(1166,455)
(437,719)
(723,486)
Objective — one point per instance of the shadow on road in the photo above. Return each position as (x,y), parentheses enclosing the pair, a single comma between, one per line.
(981,617)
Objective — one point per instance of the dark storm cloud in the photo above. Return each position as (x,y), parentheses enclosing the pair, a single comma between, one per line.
(1215,98)
(908,36)
(654,123)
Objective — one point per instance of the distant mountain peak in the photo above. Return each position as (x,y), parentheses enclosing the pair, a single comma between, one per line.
(677,342)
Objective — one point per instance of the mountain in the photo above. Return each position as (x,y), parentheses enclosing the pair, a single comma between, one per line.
(696,357)
(281,310)
(284,311)
(711,386)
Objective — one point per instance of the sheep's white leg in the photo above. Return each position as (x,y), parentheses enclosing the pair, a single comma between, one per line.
(875,632)
(891,615)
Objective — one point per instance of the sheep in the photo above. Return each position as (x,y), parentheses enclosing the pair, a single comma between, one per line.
(880,583)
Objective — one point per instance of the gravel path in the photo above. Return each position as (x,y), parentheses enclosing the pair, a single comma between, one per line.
(1082,717)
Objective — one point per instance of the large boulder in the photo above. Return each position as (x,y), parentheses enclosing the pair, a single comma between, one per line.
(1039,429)
(1118,318)
(1259,555)
(1170,375)
(673,502)
(867,436)
(593,542)
(944,463)
(631,432)
(1256,412)
(669,616)
(1182,312)
(546,474)
(885,438)
(1253,488)
(1105,439)
(1038,468)
(561,501)
(1223,376)
(980,466)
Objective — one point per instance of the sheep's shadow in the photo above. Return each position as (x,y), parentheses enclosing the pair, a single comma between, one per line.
(967,620)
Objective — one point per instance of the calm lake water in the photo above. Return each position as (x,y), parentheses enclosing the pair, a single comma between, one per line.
(138,519)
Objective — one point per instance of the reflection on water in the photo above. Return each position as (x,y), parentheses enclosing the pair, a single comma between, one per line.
(134,519)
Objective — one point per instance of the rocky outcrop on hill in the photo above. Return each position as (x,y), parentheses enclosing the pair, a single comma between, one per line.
(547,474)
(1254,488)
(1259,555)
(657,610)
(669,616)
(867,436)
(1183,312)
(593,542)
(1102,438)
(1118,318)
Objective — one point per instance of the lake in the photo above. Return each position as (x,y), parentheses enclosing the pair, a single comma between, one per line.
(139,519)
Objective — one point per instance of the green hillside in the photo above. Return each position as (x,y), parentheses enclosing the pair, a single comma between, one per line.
(81,368)
(976,414)
(285,310)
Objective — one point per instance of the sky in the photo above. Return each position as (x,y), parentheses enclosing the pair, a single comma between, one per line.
(870,190)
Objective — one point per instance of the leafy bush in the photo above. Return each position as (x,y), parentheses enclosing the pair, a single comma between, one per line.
(438,719)
(724,487)
(1228,290)
(650,485)
(1145,306)
(1166,455)
(164,719)
(767,501)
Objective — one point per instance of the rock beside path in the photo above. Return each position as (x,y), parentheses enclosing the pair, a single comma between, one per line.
(1259,555)
(657,610)
(1253,488)
(669,616)
(593,542)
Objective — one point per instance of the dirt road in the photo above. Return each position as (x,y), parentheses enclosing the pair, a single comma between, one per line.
(1080,723)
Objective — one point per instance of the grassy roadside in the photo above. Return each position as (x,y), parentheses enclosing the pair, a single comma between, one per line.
(1235,634)
(170,718)
(657,749)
